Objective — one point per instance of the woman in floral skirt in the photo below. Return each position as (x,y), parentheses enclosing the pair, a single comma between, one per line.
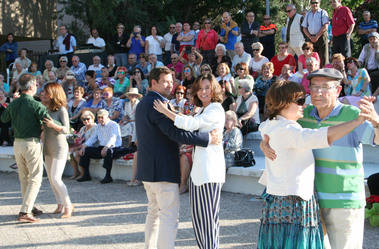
(290,216)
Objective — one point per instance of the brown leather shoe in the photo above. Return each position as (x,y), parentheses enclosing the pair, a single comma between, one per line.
(36,211)
(27,218)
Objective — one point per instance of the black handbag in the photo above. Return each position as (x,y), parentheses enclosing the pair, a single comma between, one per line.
(244,158)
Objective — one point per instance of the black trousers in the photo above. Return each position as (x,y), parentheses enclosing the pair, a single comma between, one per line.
(340,44)
(373,184)
(95,153)
(207,56)
(321,46)
(374,76)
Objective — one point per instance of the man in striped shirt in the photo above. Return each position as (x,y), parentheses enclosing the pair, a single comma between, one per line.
(339,170)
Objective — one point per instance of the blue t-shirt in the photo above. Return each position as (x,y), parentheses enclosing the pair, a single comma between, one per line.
(136,47)
(232,39)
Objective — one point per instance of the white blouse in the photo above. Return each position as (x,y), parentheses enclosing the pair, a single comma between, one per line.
(154,45)
(256,66)
(208,162)
(293,170)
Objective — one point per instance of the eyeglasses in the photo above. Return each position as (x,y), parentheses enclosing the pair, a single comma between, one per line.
(62,61)
(172,27)
(266,18)
(282,47)
(207,23)
(181,93)
(187,70)
(241,69)
(288,11)
(314,2)
(255,50)
(306,48)
(137,72)
(85,119)
(205,70)
(300,101)
(121,72)
(322,88)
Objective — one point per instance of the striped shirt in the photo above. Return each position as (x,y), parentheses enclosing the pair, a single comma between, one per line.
(108,135)
(372,24)
(339,168)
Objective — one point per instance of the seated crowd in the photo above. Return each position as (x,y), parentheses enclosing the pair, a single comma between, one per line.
(107,92)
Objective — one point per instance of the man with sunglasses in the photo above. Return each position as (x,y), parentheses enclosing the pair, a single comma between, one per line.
(339,174)
(167,41)
(315,27)
(267,37)
(294,31)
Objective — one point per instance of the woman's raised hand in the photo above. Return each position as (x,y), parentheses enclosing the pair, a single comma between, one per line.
(160,106)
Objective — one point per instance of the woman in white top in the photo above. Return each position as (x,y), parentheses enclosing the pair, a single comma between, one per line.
(223,72)
(208,170)
(258,59)
(154,43)
(290,217)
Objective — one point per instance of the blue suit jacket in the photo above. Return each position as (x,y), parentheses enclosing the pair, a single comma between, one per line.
(158,138)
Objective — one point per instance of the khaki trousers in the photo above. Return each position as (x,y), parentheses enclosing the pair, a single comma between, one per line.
(344,227)
(162,214)
(28,154)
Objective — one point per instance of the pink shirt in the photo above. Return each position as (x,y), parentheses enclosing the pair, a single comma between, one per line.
(302,59)
(178,69)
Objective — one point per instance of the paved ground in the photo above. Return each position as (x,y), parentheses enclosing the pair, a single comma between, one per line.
(113,216)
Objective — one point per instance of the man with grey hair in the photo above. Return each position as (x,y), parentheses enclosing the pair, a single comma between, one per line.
(108,136)
(27,116)
(294,31)
(249,31)
(339,178)
(175,44)
(241,56)
(369,59)
(315,27)
(366,27)
(96,66)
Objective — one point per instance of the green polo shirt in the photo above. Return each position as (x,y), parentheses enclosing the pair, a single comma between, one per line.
(26,115)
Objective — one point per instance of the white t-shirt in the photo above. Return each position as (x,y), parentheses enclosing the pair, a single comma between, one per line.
(256,66)
(97,42)
(167,40)
(154,45)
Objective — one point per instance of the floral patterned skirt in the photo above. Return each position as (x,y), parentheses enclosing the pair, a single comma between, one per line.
(290,222)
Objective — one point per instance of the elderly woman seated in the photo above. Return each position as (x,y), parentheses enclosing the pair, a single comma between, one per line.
(247,107)
(232,139)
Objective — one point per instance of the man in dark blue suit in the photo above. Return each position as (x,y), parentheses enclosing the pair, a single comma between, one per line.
(158,161)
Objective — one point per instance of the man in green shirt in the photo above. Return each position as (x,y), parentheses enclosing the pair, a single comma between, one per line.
(339,169)
(26,115)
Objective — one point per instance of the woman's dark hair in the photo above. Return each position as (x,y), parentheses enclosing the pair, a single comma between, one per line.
(352,59)
(31,64)
(91,73)
(216,90)
(139,69)
(280,95)
(307,45)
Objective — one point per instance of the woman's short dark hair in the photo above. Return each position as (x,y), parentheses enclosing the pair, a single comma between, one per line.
(307,45)
(354,60)
(216,90)
(91,73)
(280,95)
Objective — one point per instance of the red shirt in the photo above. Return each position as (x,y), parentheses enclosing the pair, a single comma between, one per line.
(279,64)
(206,41)
(342,20)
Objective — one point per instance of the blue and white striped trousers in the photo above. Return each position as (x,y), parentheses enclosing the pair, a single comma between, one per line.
(205,206)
